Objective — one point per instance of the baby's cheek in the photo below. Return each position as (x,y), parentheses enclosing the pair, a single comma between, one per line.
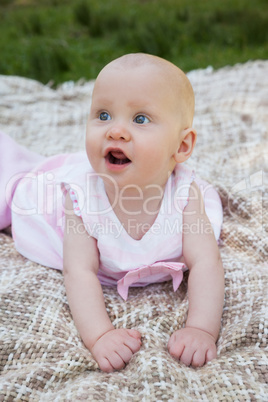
(91,148)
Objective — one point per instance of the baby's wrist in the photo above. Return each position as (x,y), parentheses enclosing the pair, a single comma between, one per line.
(91,342)
(202,330)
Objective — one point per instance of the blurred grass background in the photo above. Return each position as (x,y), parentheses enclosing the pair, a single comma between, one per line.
(61,40)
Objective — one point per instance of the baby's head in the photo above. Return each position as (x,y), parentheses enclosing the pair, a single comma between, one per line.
(143,106)
(168,78)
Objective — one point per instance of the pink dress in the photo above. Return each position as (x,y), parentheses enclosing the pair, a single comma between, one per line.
(38,222)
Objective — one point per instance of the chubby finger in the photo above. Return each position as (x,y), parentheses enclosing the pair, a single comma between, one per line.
(187,356)
(132,343)
(211,354)
(199,358)
(134,333)
(105,365)
(175,349)
(116,361)
(125,353)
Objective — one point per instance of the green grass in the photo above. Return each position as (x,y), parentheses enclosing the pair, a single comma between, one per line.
(62,40)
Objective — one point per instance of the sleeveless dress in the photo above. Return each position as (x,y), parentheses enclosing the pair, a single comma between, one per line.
(37,214)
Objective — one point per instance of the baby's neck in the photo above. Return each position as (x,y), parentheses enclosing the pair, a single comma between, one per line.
(137,208)
(134,200)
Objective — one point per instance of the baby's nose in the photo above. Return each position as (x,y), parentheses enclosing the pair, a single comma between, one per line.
(118,133)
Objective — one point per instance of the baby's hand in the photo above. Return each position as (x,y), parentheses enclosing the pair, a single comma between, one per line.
(114,349)
(192,346)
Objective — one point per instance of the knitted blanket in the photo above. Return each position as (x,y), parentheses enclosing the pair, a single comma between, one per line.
(42,357)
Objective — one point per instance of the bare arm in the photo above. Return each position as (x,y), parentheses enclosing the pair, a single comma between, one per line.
(206,279)
(205,286)
(85,297)
(80,267)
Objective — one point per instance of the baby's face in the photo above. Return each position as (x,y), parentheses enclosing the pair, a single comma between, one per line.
(134,126)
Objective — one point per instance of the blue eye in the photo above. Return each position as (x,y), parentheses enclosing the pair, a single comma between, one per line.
(104,116)
(140,119)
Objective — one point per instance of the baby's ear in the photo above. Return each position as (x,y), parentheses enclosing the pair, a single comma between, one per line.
(186,146)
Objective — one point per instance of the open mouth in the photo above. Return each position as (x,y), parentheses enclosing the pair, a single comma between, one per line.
(117,157)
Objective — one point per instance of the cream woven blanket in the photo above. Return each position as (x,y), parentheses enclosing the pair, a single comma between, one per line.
(42,357)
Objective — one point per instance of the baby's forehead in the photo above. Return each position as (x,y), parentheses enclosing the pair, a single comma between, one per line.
(166,77)
(135,80)
(144,65)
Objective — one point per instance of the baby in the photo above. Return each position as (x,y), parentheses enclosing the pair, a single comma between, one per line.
(132,216)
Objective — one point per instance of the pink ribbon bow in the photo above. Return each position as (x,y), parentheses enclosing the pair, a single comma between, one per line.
(174,269)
